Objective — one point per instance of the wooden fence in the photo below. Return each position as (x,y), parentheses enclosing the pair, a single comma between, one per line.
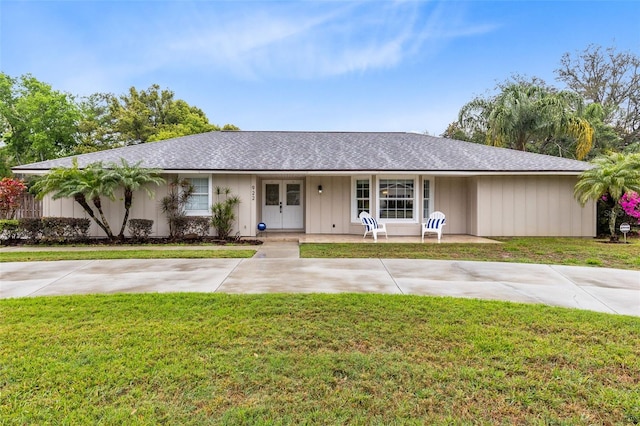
(29,207)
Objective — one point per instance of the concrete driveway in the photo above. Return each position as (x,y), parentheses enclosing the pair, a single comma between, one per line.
(597,289)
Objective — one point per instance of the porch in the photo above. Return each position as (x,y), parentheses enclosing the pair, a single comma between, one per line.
(349,238)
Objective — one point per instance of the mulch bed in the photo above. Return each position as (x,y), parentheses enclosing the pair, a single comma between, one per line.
(131,241)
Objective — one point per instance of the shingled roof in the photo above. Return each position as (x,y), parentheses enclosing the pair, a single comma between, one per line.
(252,151)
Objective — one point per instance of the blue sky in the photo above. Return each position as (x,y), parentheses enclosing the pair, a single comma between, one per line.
(312,65)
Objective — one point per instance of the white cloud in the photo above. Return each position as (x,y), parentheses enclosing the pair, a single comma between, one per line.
(314,41)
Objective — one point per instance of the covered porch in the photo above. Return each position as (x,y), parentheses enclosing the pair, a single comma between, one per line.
(302,238)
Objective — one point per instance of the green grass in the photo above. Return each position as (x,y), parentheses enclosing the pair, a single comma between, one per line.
(30,256)
(313,359)
(559,251)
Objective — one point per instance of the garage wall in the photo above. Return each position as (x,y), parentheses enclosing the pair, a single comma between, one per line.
(532,206)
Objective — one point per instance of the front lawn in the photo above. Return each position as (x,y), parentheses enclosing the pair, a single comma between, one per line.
(559,251)
(313,359)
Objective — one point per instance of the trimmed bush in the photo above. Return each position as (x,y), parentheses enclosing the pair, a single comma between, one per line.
(140,229)
(32,227)
(65,228)
(184,225)
(9,230)
(198,225)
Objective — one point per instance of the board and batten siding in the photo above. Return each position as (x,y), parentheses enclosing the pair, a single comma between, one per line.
(245,187)
(530,206)
(452,199)
(144,207)
(329,212)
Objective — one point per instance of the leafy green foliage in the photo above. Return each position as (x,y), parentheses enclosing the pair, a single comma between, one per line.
(83,185)
(525,116)
(131,178)
(38,123)
(97,254)
(608,180)
(9,229)
(140,229)
(223,212)
(153,114)
(313,359)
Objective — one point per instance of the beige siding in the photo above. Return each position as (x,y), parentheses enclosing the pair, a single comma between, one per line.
(142,208)
(483,205)
(329,212)
(245,187)
(451,198)
(472,206)
(531,206)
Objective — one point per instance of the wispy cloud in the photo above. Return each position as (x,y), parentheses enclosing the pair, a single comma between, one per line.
(316,40)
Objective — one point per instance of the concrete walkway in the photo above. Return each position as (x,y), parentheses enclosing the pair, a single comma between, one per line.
(276,267)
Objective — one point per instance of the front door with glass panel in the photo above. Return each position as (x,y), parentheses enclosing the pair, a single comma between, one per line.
(282,204)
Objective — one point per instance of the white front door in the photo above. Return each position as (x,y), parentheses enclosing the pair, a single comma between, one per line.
(282,204)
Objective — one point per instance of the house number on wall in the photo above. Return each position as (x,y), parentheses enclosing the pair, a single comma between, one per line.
(253,192)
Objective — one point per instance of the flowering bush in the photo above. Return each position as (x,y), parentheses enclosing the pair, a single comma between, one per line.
(11,191)
(630,203)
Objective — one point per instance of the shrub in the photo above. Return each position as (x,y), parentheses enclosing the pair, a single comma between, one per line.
(32,227)
(65,228)
(223,212)
(140,229)
(198,225)
(11,191)
(9,230)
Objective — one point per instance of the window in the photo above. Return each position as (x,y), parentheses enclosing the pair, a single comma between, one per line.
(199,201)
(426,198)
(362,197)
(396,198)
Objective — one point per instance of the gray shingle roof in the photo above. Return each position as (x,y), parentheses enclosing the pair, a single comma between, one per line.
(321,151)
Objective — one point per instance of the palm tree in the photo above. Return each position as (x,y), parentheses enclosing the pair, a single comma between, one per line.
(85,184)
(612,176)
(132,178)
(524,114)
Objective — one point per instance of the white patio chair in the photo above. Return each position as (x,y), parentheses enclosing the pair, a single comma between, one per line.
(373,226)
(434,224)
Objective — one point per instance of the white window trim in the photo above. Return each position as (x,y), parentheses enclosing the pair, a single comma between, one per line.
(354,201)
(432,191)
(417,198)
(209,195)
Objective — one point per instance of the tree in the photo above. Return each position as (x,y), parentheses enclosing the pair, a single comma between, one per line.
(90,183)
(38,123)
(223,212)
(610,78)
(132,178)
(96,129)
(612,176)
(153,114)
(524,116)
